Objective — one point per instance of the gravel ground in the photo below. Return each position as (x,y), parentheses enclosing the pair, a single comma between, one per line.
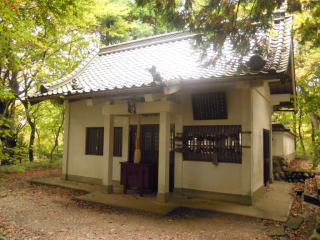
(41,212)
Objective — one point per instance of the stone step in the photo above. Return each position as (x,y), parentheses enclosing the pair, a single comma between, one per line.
(318,184)
(313,199)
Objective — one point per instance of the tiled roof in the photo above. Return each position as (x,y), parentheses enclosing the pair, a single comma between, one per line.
(175,58)
(279,127)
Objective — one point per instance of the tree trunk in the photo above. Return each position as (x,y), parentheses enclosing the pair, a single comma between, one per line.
(32,125)
(294,127)
(316,123)
(300,132)
(9,140)
(31,140)
(56,141)
(313,134)
(39,142)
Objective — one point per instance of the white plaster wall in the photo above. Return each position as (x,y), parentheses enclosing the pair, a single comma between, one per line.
(283,144)
(288,144)
(82,116)
(277,143)
(261,119)
(205,176)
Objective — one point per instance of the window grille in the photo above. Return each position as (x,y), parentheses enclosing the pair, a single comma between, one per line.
(209,106)
(212,143)
(94,140)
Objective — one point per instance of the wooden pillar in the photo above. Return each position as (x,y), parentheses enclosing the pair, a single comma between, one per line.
(126,136)
(178,157)
(164,156)
(108,153)
(66,140)
(246,141)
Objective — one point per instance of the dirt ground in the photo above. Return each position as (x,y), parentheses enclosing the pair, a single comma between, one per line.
(41,212)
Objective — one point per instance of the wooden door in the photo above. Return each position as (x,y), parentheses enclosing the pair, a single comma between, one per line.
(266,156)
(149,143)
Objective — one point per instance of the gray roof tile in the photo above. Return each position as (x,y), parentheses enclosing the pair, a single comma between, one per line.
(175,57)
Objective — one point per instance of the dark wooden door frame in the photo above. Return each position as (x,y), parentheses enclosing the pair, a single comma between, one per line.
(153,137)
(132,134)
(266,156)
(172,158)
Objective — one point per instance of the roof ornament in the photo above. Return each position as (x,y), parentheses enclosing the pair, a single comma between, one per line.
(155,75)
(132,106)
(43,89)
(75,84)
(256,63)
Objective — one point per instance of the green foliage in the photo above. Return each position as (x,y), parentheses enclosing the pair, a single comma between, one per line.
(50,118)
(112,16)
(28,166)
(40,41)
(13,155)
(125,20)
(308,21)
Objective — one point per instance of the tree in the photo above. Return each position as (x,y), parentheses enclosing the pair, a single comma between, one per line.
(36,37)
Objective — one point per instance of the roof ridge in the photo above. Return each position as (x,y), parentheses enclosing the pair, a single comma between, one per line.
(147,41)
(142,39)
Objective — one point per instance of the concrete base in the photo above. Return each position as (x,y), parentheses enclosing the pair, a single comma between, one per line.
(77,186)
(273,204)
(82,179)
(233,198)
(130,201)
(109,188)
(163,197)
(258,194)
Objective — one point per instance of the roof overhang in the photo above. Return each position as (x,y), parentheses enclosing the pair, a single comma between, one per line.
(153,88)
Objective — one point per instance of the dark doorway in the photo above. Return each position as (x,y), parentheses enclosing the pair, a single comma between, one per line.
(266,156)
(171,167)
(149,143)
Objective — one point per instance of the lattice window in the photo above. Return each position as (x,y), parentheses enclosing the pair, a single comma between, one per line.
(94,140)
(209,106)
(117,142)
(212,143)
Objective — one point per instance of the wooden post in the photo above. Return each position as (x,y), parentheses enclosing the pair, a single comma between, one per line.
(164,156)
(108,153)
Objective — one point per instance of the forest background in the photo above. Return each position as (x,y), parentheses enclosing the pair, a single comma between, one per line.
(41,41)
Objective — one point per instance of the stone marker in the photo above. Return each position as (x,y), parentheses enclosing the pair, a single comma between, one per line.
(277,231)
(294,222)
(316,234)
